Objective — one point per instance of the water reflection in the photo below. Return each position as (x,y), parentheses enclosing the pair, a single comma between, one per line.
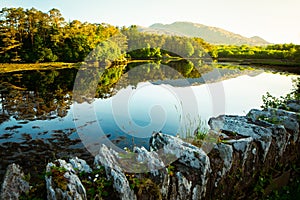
(37,117)
(33,95)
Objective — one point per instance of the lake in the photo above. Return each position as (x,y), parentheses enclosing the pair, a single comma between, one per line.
(50,114)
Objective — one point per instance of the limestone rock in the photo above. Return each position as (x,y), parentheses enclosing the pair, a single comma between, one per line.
(80,165)
(278,117)
(294,105)
(111,160)
(150,159)
(184,186)
(156,167)
(63,183)
(14,184)
(226,155)
(241,126)
(189,159)
(243,146)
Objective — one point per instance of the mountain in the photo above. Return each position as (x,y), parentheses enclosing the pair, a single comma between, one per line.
(210,34)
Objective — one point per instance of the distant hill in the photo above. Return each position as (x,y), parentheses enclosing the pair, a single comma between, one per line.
(210,34)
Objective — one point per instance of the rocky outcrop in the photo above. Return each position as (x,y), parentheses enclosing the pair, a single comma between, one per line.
(62,181)
(228,166)
(14,183)
(80,165)
(293,105)
(250,146)
(247,147)
(191,166)
(111,160)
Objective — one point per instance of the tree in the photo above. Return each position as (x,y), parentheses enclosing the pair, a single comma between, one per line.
(189,49)
(11,25)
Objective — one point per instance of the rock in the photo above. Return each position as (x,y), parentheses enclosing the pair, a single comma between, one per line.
(242,127)
(192,163)
(80,165)
(283,127)
(14,184)
(184,186)
(156,167)
(226,155)
(243,146)
(278,117)
(63,183)
(150,159)
(111,160)
(293,105)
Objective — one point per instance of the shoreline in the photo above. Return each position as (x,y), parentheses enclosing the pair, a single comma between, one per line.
(260,62)
(15,67)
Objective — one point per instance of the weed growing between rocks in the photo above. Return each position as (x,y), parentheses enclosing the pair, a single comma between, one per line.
(96,184)
(144,187)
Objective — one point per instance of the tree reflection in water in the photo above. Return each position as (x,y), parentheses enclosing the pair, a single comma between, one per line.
(45,95)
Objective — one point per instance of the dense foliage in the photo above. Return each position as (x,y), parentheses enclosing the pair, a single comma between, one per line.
(33,36)
(288,52)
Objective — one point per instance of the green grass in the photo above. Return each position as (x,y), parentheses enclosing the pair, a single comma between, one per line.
(262,61)
(14,67)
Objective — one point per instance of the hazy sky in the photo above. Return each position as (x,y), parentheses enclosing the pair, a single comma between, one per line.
(276,21)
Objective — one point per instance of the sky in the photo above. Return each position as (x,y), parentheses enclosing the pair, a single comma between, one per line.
(277,21)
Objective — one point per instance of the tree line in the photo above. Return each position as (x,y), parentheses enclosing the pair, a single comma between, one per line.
(287,52)
(32,36)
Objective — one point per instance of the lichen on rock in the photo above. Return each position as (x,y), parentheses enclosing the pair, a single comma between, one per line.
(62,182)
(14,183)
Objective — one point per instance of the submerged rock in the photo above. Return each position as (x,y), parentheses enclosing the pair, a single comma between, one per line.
(62,182)
(14,183)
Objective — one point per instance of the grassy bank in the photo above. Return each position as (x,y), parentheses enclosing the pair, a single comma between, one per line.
(13,67)
(266,64)
(262,62)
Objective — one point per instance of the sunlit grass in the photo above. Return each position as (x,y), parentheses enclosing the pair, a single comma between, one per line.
(14,67)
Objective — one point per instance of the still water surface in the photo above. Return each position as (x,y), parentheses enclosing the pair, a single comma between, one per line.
(39,119)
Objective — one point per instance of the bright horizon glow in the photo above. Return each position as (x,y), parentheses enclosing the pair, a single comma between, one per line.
(274,20)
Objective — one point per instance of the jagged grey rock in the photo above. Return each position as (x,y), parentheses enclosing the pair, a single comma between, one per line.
(294,105)
(226,154)
(151,160)
(278,117)
(155,166)
(240,125)
(73,188)
(184,152)
(80,165)
(243,146)
(190,156)
(184,186)
(13,184)
(111,160)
